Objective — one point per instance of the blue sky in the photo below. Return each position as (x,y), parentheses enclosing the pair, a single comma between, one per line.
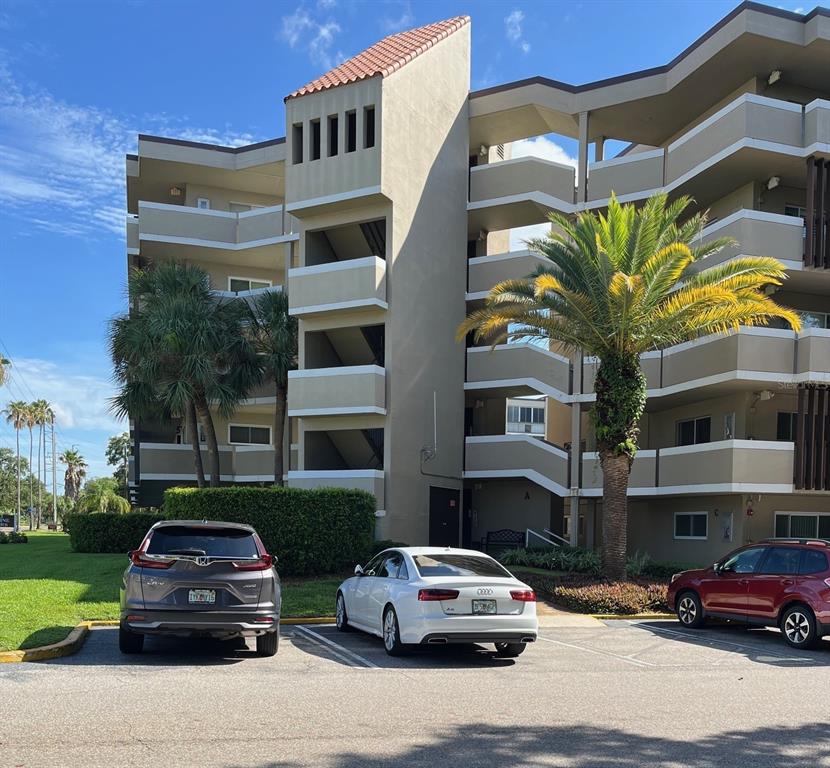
(79,79)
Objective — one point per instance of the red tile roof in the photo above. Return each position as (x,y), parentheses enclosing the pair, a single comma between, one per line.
(384,57)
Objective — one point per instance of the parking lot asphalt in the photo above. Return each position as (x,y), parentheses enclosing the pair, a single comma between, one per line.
(619,693)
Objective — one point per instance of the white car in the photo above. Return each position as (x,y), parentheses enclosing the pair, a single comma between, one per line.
(434,595)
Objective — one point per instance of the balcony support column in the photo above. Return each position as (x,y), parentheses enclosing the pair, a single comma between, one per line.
(599,149)
(582,165)
(576,451)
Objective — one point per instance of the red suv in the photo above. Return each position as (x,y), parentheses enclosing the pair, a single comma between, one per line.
(775,583)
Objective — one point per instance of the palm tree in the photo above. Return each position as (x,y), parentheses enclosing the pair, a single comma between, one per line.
(101,495)
(275,339)
(75,473)
(30,423)
(40,411)
(615,286)
(180,350)
(16,413)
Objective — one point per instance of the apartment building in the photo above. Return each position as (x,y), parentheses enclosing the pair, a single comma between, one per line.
(386,211)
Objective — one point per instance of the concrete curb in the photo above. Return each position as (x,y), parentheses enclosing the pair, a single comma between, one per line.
(630,616)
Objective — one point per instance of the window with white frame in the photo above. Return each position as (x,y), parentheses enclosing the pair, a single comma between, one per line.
(249,434)
(691,525)
(203,202)
(814,319)
(694,431)
(802,525)
(239,284)
(526,419)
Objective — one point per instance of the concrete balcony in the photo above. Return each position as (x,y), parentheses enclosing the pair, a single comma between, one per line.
(237,463)
(343,285)
(369,480)
(206,228)
(817,126)
(357,389)
(630,177)
(485,271)
(133,242)
(494,456)
(720,363)
(758,233)
(518,192)
(520,369)
(726,466)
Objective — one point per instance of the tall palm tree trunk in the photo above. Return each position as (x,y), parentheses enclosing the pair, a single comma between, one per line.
(203,412)
(192,428)
(615,470)
(17,519)
(31,487)
(279,431)
(40,452)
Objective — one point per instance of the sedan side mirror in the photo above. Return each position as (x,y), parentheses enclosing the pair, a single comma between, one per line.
(358,570)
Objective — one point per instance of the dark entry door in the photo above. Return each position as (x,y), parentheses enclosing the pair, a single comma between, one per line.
(443,517)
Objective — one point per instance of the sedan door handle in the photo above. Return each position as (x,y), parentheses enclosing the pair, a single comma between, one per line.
(787,582)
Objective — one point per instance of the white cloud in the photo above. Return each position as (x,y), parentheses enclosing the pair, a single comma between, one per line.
(390,24)
(314,34)
(62,164)
(513,29)
(543,147)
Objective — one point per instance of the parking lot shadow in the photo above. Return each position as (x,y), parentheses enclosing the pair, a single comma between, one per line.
(101,649)
(593,747)
(757,644)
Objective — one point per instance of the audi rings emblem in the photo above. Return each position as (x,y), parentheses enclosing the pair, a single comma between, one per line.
(485,591)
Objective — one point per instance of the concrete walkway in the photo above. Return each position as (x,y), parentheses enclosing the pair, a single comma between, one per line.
(550,616)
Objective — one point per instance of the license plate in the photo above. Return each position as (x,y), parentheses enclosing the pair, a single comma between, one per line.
(484,606)
(201,596)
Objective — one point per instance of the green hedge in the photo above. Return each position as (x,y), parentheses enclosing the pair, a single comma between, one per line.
(107,532)
(324,530)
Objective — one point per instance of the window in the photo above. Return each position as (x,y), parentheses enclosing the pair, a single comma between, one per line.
(694,431)
(814,319)
(369,127)
(333,128)
(785,430)
(373,565)
(391,565)
(812,561)
(237,284)
(351,131)
(526,419)
(203,203)
(403,573)
(215,542)
(315,139)
(691,525)
(781,560)
(245,434)
(297,143)
(795,210)
(458,565)
(745,561)
(801,525)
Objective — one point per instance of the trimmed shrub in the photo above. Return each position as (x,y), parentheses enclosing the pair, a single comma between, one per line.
(585,594)
(324,530)
(18,538)
(107,531)
(380,545)
(4,537)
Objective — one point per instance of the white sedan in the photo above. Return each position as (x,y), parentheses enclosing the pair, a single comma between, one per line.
(432,595)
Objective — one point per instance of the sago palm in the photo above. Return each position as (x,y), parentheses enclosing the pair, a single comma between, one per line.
(274,333)
(16,414)
(615,286)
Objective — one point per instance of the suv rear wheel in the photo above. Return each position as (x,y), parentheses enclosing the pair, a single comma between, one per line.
(690,610)
(129,642)
(798,625)
(267,644)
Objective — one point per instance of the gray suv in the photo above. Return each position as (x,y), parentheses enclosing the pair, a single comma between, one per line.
(198,578)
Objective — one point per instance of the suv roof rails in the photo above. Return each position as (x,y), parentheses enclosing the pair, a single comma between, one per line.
(793,540)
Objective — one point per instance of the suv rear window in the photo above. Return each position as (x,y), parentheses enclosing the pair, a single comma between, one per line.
(458,565)
(214,542)
(812,561)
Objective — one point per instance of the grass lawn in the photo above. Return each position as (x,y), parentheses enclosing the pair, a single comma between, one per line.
(46,589)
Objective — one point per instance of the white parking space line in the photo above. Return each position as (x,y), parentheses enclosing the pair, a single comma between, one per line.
(344,653)
(626,659)
(717,641)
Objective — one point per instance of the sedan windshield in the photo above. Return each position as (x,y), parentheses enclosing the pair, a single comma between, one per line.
(213,542)
(458,565)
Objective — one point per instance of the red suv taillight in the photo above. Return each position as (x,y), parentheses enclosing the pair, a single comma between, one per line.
(263,564)
(143,562)
(431,595)
(523,595)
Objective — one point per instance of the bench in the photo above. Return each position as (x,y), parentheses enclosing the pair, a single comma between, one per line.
(52,527)
(497,542)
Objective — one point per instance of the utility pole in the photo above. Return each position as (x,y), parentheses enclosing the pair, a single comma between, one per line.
(126,475)
(54,478)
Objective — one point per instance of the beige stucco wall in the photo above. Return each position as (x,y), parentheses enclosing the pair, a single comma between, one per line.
(221,197)
(516,504)
(334,388)
(361,282)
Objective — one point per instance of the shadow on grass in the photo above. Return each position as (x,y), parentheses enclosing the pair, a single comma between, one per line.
(590,747)
(46,636)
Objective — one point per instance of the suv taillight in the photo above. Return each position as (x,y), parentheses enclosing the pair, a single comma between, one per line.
(143,562)
(523,595)
(263,564)
(431,595)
